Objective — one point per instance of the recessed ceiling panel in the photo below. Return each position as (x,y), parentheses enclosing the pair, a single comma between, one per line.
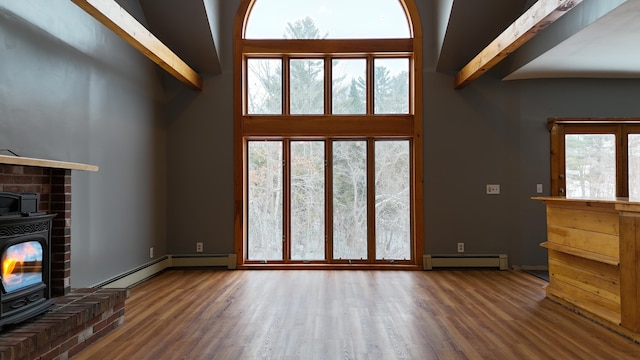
(607,48)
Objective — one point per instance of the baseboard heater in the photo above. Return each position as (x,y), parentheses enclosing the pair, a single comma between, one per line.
(497,261)
(228,261)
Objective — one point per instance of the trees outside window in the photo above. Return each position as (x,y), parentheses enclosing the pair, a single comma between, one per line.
(590,165)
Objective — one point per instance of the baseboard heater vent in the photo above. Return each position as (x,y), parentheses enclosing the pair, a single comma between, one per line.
(498,261)
(228,261)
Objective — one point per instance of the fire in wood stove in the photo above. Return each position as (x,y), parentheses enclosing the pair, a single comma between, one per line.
(24,258)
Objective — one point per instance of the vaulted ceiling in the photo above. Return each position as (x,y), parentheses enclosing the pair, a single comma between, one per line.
(595,39)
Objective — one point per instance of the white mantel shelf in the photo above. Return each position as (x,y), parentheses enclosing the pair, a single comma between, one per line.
(19,160)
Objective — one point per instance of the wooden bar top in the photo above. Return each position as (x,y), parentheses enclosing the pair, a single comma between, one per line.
(583,200)
(26,161)
(619,203)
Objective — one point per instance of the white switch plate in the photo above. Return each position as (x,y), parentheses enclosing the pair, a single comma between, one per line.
(539,188)
(493,189)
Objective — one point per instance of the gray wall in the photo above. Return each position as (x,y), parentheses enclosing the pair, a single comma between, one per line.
(71,90)
(200,156)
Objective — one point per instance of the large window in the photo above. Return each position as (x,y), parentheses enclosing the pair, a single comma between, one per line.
(595,158)
(328,134)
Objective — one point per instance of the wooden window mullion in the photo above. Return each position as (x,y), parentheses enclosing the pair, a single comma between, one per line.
(371,201)
(370,85)
(286,201)
(558,186)
(328,165)
(328,85)
(286,85)
(622,170)
(245,84)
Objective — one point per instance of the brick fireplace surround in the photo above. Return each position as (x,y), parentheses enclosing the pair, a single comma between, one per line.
(78,317)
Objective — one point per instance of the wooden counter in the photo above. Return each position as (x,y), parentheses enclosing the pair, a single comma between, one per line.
(26,161)
(594,259)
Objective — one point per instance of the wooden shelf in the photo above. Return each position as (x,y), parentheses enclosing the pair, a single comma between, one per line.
(610,260)
(25,161)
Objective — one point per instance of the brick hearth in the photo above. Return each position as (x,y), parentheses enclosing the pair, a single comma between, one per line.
(78,317)
(75,321)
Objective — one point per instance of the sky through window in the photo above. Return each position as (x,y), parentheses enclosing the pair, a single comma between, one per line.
(337,19)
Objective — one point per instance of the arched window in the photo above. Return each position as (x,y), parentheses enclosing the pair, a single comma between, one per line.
(328,134)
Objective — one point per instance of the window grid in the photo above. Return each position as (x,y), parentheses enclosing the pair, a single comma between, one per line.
(279,170)
(328,88)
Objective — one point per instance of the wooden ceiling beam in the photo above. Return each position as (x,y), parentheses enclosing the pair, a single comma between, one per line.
(118,20)
(536,18)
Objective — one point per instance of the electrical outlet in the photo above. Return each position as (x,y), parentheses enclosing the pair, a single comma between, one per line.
(460,247)
(493,189)
(539,188)
(198,247)
(150,253)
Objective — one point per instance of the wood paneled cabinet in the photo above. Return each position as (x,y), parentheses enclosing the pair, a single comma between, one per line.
(594,250)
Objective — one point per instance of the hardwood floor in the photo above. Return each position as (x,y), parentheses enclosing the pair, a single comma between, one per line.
(210,314)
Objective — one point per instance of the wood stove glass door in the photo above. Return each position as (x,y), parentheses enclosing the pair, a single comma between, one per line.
(22,265)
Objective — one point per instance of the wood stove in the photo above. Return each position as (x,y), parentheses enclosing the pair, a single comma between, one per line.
(25,254)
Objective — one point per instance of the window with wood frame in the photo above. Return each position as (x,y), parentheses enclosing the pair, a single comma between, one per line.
(595,158)
(328,134)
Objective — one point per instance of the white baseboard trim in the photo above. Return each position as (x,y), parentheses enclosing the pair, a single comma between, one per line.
(152,268)
(137,275)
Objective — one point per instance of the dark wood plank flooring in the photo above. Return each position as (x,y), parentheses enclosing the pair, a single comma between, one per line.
(210,314)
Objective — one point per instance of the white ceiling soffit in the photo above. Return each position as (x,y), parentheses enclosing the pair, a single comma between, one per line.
(607,48)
